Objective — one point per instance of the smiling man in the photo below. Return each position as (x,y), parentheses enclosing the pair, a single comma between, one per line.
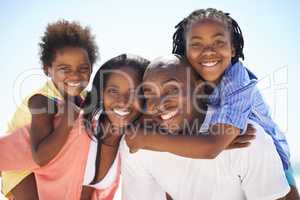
(255,172)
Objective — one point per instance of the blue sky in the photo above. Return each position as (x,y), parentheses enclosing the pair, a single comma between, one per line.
(270,29)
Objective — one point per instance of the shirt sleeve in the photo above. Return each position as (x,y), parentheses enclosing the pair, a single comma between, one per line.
(235,107)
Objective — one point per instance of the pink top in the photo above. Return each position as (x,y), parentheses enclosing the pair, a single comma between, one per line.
(62,177)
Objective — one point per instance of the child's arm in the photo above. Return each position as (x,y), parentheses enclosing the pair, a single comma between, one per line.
(46,140)
(195,146)
(200,146)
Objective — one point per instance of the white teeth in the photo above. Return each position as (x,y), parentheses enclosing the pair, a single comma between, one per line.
(73,84)
(121,113)
(169,115)
(209,64)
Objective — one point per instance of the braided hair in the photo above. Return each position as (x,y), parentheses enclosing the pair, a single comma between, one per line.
(210,13)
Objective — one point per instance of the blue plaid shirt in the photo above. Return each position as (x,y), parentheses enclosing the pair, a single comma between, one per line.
(237,99)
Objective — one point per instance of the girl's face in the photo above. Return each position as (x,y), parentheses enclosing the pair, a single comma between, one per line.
(70,71)
(209,49)
(168,98)
(121,96)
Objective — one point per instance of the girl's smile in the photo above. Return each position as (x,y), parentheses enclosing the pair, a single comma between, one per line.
(209,49)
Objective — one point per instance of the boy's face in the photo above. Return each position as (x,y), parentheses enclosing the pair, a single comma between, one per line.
(121,96)
(209,49)
(167,91)
(70,70)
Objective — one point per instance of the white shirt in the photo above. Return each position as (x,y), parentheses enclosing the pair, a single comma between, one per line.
(250,173)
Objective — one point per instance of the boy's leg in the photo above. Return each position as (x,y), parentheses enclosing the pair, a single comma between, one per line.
(26,189)
(293,194)
(168,197)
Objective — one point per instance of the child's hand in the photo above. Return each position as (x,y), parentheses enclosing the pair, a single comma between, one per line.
(134,139)
(243,140)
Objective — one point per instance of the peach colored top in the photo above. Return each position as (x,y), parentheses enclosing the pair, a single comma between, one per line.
(62,177)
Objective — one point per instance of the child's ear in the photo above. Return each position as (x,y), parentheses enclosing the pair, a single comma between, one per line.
(233,52)
(47,70)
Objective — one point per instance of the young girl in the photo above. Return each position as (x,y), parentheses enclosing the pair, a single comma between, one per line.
(49,119)
(212,43)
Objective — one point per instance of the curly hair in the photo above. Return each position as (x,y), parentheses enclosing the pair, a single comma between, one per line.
(62,34)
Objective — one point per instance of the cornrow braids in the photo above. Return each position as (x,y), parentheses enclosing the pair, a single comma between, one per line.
(210,13)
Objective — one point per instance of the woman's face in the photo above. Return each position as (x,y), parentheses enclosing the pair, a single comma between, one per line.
(121,96)
(168,96)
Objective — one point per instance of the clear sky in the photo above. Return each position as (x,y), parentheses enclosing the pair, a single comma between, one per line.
(271,30)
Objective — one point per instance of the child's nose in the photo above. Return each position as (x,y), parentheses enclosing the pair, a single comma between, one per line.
(208,50)
(75,75)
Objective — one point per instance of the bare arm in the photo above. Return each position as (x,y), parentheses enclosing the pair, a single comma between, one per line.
(197,146)
(46,140)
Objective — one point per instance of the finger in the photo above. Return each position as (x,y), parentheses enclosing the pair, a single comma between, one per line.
(133,150)
(244,138)
(239,145)
(250,129)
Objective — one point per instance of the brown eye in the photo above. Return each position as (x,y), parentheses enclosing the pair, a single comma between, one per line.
(112,91)
(219,43)
(64,70)
(196,45)
(84,69)
(172,90)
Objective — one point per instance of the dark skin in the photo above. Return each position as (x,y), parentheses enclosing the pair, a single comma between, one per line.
(157,142)
(70,72)
(209,41)
(119,87)
(110,151)
(21,190)
(211,145)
